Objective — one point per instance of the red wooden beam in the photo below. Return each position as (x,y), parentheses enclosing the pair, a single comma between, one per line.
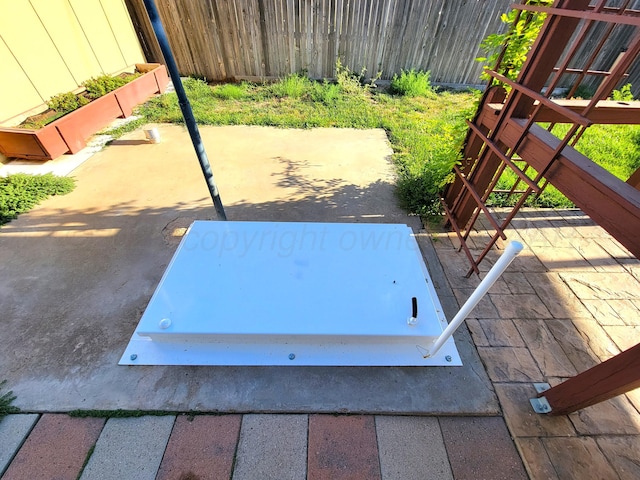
(610,202)
(543,56)
(634,179)
(585,15)
(606,112)
(606,380)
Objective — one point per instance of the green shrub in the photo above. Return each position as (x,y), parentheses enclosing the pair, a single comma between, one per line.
(95,88)
(623,95)
(21,192)
(99,86)
(411,84)
(66,102)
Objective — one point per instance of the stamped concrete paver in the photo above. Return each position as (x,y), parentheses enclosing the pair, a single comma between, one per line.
(56,448)
(616,416)
(484,308)
(572,343)
(520,306)
(613,312)
(501,333)
(477,333)
(578,457)
(597,256)
(560,259)
(544,348)
(480,447)
(556,295)
(624,337)
(609,286)
(634,397)
(528,262)
(411,448)
(623,453)
(517,283)
(522,420)
(595,338)
(589,285)
(506,364)
(535,458)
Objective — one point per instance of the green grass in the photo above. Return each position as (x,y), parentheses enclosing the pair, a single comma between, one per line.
(230,91)
(19,193)
(426,130)
(616,148)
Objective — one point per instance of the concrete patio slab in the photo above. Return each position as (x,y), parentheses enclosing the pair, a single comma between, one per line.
(79,270)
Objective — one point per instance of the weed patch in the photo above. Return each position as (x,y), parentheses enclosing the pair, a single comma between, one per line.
(412,84)
(6,399)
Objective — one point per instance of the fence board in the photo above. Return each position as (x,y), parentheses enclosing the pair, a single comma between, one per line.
(226,39)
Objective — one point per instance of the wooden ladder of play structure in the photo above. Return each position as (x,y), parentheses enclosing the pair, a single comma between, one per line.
(514,130)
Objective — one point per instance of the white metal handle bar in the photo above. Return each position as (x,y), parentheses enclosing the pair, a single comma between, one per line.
(512,250)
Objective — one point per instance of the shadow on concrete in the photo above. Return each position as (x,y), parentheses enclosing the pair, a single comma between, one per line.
(76,280)
(128,142)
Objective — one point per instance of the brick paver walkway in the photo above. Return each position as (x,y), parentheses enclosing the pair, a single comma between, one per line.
(569,301)
(249,447)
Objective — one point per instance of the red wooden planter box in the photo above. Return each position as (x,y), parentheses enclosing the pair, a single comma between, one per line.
(70,133)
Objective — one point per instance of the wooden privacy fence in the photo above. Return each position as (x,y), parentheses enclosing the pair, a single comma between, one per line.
(235,39)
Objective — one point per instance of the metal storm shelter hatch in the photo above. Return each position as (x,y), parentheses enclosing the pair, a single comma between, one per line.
(263,293)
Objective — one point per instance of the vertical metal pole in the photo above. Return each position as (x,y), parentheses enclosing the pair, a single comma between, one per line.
(185,106)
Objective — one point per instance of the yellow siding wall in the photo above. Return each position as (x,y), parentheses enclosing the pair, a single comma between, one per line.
(52,46)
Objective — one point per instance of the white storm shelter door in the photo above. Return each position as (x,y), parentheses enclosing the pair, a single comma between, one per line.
(264,293)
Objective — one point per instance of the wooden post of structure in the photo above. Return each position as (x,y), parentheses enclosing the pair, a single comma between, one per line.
(634,179)
(610,378)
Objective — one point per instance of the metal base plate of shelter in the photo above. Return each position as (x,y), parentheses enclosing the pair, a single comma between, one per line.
(265,293)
